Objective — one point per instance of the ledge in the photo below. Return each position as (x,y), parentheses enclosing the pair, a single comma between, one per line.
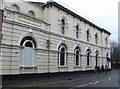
(62,66)
(27,67)
(88,66)
(77,66)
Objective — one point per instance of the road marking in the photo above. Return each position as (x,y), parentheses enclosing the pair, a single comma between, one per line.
(110,78)
(96,82)
(43,83)
(82,85)
(90,83)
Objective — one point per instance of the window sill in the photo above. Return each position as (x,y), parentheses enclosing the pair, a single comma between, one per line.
(62,66)
(88,66)
(77,66)
(28,67)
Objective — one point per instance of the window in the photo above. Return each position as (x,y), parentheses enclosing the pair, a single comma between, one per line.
(96,57)
(15,7)
(62,55)
(77,31)
(106,41)
(31,14)
(28,38)
(77,56)
(96,38)
(28,53)
(107,57)
(62,26)
(88,35)
(88,56)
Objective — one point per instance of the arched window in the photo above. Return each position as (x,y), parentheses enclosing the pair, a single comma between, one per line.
(77,56)
(31,14)
(88,56)
(62,26)
(28,52)
(106,41)
(96,57)
(88,35)
(107,57)
(28,39)
(62,55)
(15,7)
(96,38)
(77,31)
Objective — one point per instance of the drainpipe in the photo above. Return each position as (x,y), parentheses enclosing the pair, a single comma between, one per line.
(48,46)
(1,20)
(1,35)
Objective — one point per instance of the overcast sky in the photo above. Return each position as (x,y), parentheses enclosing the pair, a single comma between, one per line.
(103,13)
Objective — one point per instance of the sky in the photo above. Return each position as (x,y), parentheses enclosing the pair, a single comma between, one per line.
(103,13)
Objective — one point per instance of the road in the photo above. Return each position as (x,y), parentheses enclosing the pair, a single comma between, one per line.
(93,80)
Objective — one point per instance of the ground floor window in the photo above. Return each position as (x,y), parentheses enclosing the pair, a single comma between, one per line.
(88,56)
(96,57)
(77,56)
(28,45)
(62,55)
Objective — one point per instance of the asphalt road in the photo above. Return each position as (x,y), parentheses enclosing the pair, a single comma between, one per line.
(98,80)
(110,79)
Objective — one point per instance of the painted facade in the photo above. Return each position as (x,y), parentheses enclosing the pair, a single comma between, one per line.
(47,37)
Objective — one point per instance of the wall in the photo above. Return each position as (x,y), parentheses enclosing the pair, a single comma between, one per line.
(46,26)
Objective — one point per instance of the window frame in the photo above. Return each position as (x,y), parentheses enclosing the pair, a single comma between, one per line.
(96,58)
(88,35)
(63,26)
(106,41)
(79,56)
(59,55)
(24,47)
(31,13)
(77,31)
(88,57)
(15,7)
(96,38)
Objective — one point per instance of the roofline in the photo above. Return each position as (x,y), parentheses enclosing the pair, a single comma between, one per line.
(52,3)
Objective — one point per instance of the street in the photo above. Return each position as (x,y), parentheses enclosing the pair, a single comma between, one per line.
(86,80)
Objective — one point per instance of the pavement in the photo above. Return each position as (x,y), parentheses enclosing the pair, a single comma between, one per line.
(76,81)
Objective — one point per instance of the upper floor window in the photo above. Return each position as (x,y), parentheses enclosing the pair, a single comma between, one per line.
(62,26)
(31,14)
(15,7)
(106,41)
(88,35)
(96,38)
(77,31)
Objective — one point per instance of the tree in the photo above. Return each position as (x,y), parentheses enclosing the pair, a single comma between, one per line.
(114,47)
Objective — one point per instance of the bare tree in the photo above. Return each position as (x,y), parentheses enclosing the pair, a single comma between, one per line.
(114,47)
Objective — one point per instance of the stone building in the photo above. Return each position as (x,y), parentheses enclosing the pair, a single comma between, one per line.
(49,38)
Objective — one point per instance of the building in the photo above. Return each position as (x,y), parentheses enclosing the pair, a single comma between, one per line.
(49,38)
